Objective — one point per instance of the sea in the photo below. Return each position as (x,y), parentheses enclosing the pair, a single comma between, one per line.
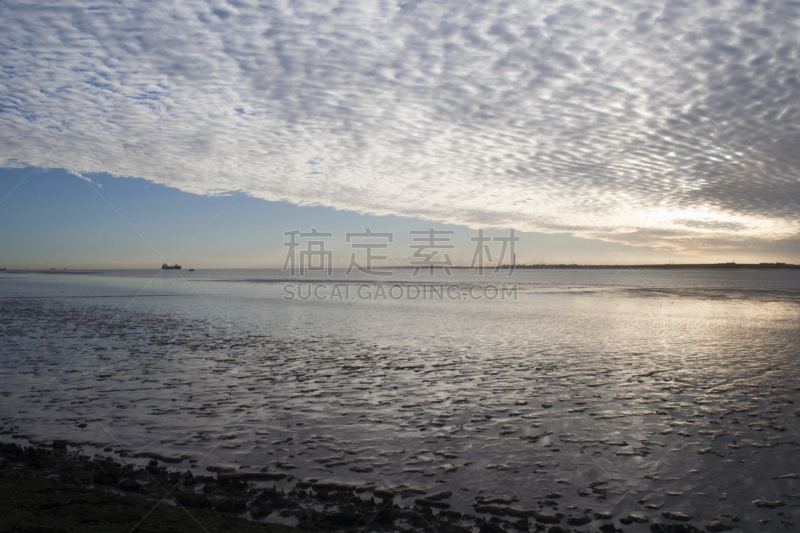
(655,395)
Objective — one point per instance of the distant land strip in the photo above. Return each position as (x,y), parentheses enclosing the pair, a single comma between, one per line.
(670,266)
(667,266)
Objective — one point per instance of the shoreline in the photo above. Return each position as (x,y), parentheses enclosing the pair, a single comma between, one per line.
(544,437)
(54,489)
(503,268)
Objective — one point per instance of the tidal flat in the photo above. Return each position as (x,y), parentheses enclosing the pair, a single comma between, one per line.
(581,408)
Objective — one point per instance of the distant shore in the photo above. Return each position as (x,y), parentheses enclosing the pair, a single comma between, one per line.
(667,266)
(704,266)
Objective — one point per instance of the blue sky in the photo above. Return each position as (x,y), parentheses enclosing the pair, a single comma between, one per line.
(610,131)
(58,220)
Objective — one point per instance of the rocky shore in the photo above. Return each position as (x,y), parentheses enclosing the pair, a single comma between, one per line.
(57,489)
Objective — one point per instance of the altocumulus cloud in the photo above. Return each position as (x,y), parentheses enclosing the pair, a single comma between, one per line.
(671,124)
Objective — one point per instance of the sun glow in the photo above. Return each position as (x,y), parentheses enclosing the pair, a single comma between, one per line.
(711,221)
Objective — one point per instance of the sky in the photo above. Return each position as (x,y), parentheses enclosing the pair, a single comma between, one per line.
(606,132)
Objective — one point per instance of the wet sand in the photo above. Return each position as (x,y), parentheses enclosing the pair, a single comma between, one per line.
(54,489)
(574,435)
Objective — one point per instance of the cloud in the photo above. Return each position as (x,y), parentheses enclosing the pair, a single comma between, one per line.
(665,124)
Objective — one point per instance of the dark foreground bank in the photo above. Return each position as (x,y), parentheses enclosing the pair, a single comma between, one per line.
(54,490)
(49,490)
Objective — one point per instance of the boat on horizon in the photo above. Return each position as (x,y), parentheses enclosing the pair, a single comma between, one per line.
(173,267)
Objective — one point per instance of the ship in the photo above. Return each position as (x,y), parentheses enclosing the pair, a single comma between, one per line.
(173,267)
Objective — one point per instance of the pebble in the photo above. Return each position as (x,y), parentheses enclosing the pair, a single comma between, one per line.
(634,517)
(253,476)
(673,528)
(766,504)
(548,517)
(129,485)
(488,527)
(680,517)
(716,526)
(578,519)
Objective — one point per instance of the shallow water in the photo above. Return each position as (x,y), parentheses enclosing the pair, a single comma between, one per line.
(618,396)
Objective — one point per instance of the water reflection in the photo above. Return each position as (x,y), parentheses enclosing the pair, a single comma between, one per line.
(618,400)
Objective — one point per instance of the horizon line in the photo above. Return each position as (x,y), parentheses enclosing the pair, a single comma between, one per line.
(728,265)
